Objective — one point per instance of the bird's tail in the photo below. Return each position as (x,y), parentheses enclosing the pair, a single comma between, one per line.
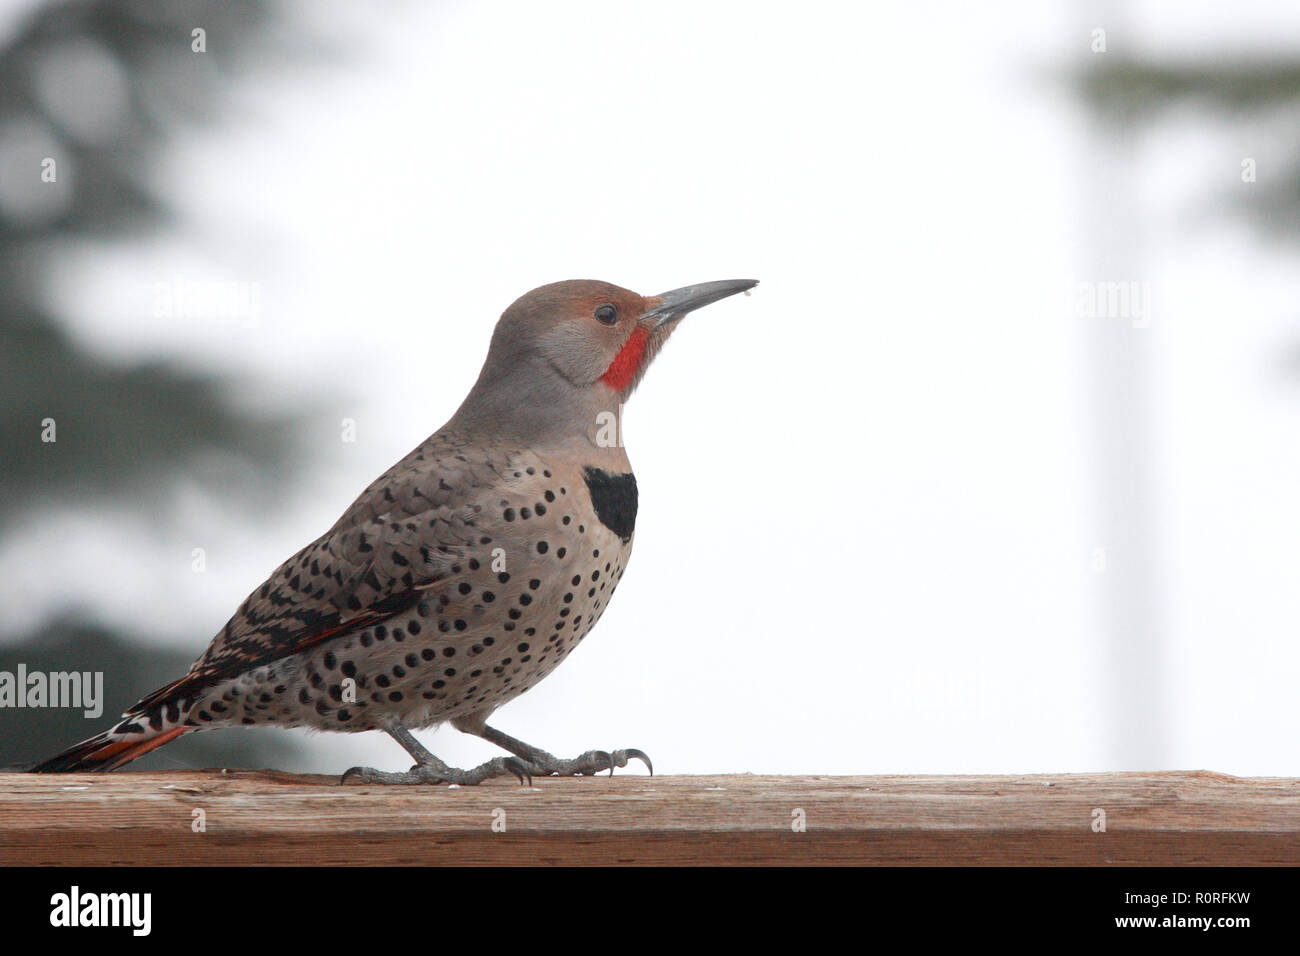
(145,727)
(108,751)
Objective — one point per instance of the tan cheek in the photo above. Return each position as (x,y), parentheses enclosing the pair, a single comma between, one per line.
(579,352)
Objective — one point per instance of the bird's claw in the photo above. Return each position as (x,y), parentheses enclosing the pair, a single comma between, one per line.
(520,770)
(358,775)
(592,763)
(435,773)
(622,757)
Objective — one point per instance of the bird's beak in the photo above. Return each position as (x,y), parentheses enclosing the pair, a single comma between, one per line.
(671,306)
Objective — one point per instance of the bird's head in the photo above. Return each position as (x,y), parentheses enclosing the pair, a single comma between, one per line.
(566,348)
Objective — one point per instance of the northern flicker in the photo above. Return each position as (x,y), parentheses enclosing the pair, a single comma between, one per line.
(463,575)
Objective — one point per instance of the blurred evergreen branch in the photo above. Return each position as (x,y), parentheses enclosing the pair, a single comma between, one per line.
(1126,90)
(1129,93)
(124,429)
(121,427)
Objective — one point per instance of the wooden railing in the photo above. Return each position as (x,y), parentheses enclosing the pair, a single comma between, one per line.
(266,817)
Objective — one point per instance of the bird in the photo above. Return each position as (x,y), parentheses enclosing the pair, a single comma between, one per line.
(463,575)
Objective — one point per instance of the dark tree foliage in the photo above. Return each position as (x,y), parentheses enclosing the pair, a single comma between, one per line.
(1263,93)
(123,429)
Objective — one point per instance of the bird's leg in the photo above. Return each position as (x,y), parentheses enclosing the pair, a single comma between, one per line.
(429,769)
(542,763)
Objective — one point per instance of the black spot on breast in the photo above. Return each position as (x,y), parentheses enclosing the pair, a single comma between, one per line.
(614,498)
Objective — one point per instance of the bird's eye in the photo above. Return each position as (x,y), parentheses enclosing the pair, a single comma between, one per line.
(607,315)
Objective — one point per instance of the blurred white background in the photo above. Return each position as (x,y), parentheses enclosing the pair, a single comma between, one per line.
(904,509)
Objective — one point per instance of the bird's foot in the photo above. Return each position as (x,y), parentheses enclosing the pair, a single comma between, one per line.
(543,764)
(438,772)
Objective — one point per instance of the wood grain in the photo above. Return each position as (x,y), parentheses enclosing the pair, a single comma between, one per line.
(273,818)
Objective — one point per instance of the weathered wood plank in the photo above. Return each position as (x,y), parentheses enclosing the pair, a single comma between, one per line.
(267,817)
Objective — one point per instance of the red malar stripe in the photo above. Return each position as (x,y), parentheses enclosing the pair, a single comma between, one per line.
(623,369)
